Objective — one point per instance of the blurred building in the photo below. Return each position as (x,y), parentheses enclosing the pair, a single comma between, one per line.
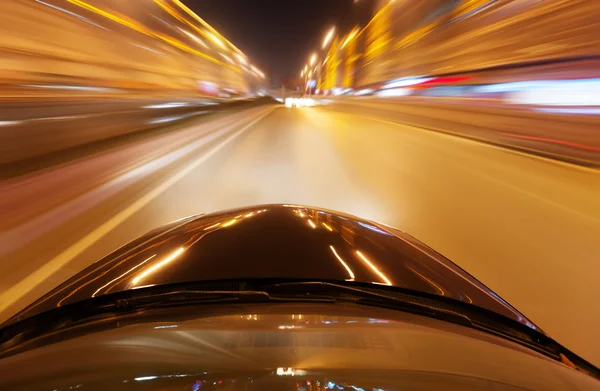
(124,48)
(455,37)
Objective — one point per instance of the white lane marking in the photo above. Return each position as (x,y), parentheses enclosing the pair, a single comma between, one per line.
(167,105)
(25,233)
(174,118)
(25,286)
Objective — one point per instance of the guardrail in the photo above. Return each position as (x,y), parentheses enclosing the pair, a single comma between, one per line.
(570,136)
(32,130)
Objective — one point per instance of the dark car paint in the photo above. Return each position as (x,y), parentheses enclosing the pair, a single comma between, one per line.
(278,241)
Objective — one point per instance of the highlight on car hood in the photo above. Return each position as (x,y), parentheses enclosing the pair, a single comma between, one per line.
(275,241)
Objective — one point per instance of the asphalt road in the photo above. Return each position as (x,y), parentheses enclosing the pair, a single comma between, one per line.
(526,226)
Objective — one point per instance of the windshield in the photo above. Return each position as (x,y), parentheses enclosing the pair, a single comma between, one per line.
(296,134)
(287,347)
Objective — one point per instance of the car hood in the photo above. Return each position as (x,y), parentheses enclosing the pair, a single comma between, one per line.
(275,241)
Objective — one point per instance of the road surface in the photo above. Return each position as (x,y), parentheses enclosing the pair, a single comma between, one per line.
(526,226)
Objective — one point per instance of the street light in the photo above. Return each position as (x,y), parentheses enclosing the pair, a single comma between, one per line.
(313,59)
(328,37)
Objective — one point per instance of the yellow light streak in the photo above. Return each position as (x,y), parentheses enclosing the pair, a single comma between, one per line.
(229,223)
(144,30)
(374,268)
(122,275)
(203,22)
(212,226)
(429,281)
(343,263)
(158,265)
(328,37)
(350,36)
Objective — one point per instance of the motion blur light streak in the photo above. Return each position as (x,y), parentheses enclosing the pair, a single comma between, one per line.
(71,13)
(144,378)
(9,123)
(350,273)
(290,372)
(142,29)
(328,37)
(549,140)
(216,40)
(380,274)
(167,105)
(195,38)
(157,266)
(199,19)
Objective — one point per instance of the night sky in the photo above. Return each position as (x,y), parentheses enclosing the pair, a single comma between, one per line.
(279,35)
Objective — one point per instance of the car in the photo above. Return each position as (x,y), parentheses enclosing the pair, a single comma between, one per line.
(280,297)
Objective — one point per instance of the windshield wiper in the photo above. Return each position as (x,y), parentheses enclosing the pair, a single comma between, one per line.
(117,309)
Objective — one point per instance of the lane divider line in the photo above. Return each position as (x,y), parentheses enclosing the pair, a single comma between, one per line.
(27,284)
(22,234)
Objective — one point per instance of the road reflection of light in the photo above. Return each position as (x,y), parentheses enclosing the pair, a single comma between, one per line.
(328,227)
(249,214)
(310,222)
(166,105)
(158,265)
(122,275)
(175,118)
(374,268)
(169,326)
(352,277)
(212,226)
(290,372)
(143,378)
(9,123)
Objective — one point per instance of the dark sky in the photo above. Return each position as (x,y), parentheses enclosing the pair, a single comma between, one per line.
(279,35)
